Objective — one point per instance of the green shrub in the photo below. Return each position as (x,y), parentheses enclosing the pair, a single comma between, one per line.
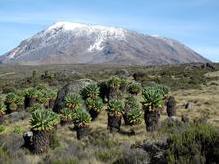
(2,128)
(153,98)
(81,117)
(66,115)
(11,98)
(73,101)
(134,88)
(2,109)
(132,110)
(91,91)
(114,82)
(44,120)
(108,154)
(115,107)
(196,141)
(94,104)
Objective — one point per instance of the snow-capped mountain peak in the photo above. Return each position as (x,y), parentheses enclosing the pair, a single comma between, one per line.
(66,42)
(87,29)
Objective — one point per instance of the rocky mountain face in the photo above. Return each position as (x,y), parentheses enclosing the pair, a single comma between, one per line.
(74,43)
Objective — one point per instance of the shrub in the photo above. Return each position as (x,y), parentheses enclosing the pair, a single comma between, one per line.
(11,98)
(35,107)
(2,109)
(2,128)
(134,88)
(152,98)
(66,115)
(91,91)
(132,111)
(115,107)
(44,120)
(94,104)
(163,89)
(114,82)
(73,101)
(81,117)
(196,141)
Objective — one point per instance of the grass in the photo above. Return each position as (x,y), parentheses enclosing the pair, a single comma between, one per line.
(205,101)
(101,146)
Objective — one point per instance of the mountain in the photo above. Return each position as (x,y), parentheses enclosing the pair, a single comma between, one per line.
(74,43)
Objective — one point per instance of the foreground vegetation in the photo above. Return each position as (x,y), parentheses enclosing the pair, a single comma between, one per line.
(125,115)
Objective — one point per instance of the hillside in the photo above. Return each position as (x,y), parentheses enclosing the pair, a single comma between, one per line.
(74,43)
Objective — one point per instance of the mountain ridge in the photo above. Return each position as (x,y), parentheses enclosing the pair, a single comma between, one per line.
(76,43)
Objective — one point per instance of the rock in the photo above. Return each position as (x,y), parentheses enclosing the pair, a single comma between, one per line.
(12,143)
(157,151)
(122,73)
(74,87)
(27,136)
(188,105)
(16,116)
(208,66)
(132,155)
(185,118)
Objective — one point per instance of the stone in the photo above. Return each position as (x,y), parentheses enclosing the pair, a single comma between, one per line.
(74,87)
(188,105)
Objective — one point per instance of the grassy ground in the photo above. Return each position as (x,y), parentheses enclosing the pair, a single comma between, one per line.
(102,146)
(205,101)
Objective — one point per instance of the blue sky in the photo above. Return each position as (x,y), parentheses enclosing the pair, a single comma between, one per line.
(193,22)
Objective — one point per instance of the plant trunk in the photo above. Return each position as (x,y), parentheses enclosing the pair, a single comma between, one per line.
(51,103)
(46,105)
(171,107)
(82,131)
(113,93)
(2,119)
(126,119)
(65,122)
(151,120)
(114,122)
(12,108)
(20,108)
(94,114)
(41,141)
(29,101)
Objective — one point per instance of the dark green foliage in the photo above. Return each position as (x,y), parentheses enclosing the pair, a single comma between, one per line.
(44,120)
(11,98)
(73,101)
(153,98)
(134,88)
(91,91)
(2,109)
(115,107)
(66,115)
(94,104)
(114,82)
(163,89)
(81,117)
(132,111)
(35,107)
(194,143)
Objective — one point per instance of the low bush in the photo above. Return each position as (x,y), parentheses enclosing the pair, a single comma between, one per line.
(194,143)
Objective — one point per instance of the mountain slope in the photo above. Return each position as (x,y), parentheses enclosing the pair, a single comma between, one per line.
(74,43)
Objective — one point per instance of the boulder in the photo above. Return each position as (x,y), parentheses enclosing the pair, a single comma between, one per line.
(188,105)
(17,116)
(73,87)
(122,73)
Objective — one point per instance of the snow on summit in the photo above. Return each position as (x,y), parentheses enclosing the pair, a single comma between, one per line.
(101,33)
(82,28)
